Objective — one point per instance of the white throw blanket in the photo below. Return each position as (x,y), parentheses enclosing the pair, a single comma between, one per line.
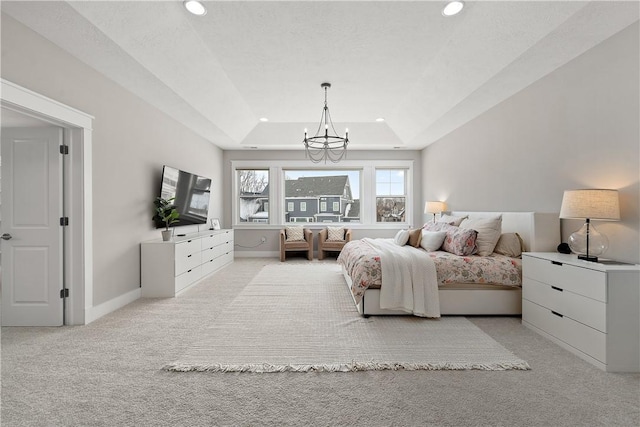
(409,279)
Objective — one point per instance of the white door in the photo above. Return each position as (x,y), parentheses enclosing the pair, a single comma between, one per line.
(31,244)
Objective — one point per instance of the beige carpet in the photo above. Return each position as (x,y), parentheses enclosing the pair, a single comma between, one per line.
(277,324)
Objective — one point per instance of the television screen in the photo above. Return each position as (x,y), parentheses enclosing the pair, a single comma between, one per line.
(191,195)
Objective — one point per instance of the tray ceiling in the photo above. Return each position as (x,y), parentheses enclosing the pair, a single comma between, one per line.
(423,73)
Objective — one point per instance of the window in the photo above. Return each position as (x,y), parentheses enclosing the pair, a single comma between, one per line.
(366,192)
(253,195)
(391,195)
(331,195)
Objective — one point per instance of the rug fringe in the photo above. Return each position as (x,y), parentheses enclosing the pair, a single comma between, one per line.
(347,367)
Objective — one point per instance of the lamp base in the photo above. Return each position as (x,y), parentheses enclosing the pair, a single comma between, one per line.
(588,258)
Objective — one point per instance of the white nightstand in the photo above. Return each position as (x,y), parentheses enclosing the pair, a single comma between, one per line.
(591,309)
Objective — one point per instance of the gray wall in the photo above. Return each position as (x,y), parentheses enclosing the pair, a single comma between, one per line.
(247,239)
(576,128)
(131,142)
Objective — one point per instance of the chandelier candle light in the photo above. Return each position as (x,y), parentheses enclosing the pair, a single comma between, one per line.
(324,146)
(590,204)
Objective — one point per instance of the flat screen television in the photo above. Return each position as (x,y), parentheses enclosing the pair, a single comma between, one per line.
(191,194)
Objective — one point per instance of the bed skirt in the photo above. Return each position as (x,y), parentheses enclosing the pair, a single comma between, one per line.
(455,299)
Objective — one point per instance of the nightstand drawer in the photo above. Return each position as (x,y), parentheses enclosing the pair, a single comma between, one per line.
(577,307)
(581,281)
(575,334)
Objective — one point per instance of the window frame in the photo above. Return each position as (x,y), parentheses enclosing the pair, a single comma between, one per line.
(276,202)
(391,194)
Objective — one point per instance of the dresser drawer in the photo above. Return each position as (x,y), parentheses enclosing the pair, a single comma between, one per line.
(188,262)
(210,266)
(211,241)
(208,254)
(226,247)
(187,247)
(575,334)
(581,281)
(577,307)
(187,278)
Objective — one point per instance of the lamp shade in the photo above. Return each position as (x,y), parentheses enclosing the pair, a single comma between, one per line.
(591,203)
(434,207)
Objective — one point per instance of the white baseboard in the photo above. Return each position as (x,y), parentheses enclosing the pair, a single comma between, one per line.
(94,313)
(256,254)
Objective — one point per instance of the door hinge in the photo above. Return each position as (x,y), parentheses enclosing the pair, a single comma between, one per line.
(64,149)
(64,221)
(64,293)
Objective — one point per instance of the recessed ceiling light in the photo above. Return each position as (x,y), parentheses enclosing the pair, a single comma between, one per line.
(452,8)
(195,7)
(380,119)
(264,119)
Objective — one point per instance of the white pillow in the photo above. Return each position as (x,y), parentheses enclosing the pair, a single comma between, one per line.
(335,233)
(509,244)
(489,230)
(294,233)
(432,240)
(453,220)
(402,237)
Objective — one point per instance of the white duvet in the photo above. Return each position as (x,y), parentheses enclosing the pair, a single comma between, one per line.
(409,279)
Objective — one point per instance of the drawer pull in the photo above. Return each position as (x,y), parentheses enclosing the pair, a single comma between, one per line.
(557,289)
(556,263)
(556,313)
(188,256)
(188,271)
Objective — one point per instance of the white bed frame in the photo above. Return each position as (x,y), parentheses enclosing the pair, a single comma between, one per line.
(540,233)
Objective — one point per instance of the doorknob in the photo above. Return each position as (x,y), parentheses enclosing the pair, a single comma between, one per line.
(6,236)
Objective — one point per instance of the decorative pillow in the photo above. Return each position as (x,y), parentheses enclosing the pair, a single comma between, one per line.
(335,233)
(458,241)
(510,244)
(415,236)
(489,230)
(402,237)
(294,233)
(432,240)
(453,220)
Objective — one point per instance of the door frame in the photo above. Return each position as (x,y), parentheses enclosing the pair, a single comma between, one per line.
(78,201)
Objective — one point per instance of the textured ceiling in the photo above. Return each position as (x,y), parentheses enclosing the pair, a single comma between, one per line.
(401,60)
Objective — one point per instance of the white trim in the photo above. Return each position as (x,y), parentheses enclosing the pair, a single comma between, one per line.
(78,252)
(114,304)
(257,254)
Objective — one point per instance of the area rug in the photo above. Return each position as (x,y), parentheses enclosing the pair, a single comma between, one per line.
(300,317)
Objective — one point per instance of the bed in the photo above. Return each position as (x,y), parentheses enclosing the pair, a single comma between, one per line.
(539,232)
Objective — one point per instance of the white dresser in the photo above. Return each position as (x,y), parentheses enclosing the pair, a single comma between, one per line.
(591,309)
(168,268)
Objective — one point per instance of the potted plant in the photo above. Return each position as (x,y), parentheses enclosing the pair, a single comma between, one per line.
(166,212)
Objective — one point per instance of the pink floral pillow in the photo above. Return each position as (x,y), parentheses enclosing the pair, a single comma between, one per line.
(459,241)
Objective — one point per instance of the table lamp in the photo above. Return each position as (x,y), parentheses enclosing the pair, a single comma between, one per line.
(590,204)
(434,208)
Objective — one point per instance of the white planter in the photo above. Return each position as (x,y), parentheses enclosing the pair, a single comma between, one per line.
(166,235)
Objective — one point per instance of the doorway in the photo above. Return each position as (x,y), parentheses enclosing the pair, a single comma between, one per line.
(77,204)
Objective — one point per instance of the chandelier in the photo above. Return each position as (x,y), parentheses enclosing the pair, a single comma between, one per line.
(324,146)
